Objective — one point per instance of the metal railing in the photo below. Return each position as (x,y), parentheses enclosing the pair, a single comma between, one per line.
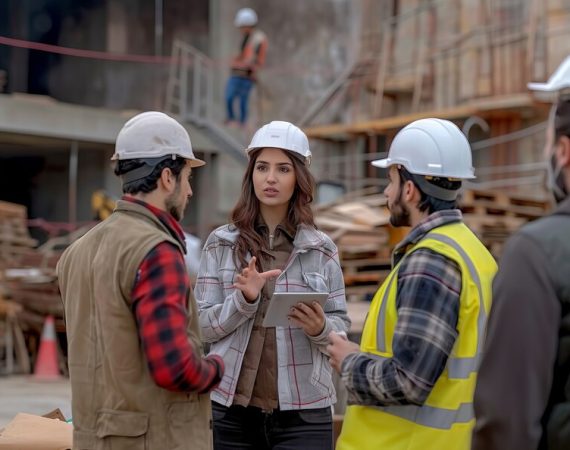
(190,89)
(190,94)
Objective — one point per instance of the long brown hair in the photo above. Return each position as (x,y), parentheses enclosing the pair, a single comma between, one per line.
(246,210)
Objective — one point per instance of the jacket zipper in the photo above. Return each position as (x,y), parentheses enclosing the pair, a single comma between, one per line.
(271,236)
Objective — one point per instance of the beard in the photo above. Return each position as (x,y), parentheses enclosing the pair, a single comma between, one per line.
(399,213)
(174,205)
(175,212)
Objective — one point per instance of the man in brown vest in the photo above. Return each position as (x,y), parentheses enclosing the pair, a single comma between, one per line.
(138,375)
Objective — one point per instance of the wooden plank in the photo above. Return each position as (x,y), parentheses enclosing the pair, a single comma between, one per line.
(374,277)
(377,237)
(329,222)
(475,107)
(364,214)
(8,239)
(8,209)
(367,262)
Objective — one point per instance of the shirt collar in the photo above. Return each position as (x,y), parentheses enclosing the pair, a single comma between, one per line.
(434,220)
(165,218)
(284,227)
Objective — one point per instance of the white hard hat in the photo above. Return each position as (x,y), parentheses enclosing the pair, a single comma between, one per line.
(245,17)
(558,81)
(283,135)
(153,134)
(431,147)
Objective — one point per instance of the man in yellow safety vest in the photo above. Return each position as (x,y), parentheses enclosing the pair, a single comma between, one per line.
(411,381)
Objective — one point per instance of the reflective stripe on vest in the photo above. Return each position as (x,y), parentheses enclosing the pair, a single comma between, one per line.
(428,416)
(463,367)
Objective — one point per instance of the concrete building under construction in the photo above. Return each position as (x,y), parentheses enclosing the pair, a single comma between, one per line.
(372,67)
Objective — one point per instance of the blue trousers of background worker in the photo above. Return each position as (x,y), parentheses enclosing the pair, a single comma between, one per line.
(240,428)
(238,87)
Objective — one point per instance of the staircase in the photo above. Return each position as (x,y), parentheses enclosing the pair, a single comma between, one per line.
(189,95)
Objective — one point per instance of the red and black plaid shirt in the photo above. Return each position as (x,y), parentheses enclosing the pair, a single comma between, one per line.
(159,300)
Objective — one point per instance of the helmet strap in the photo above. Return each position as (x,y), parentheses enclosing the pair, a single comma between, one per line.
(440,193)
(143,171)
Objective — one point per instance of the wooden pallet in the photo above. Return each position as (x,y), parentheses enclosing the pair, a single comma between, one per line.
(363,277)
(495,209)
(498,203)
(14,236)
(472,196)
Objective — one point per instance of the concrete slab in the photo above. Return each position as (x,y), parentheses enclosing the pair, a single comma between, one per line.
(24,115)
(24,394)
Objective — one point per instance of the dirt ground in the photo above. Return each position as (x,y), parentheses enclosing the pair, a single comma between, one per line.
(24,394)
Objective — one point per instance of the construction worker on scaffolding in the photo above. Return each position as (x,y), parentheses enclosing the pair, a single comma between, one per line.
(245,65)
(522,399)
(138,375)
(410,382)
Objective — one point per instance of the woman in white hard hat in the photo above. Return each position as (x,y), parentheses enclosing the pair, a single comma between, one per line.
(277,390)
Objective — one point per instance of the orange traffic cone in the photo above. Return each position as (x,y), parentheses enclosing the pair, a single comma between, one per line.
(46,367)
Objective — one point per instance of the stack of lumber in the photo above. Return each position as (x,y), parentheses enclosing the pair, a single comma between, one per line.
(15,239)
(28,289)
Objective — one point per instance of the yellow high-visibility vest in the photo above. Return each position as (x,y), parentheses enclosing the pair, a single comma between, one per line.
(446,419)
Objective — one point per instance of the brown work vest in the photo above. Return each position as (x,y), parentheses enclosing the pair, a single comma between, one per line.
(115,402)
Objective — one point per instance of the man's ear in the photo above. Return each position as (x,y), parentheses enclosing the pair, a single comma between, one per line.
(167,179)
(410,190)
(563,151)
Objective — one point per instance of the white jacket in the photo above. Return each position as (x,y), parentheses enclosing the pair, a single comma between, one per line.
(304,374)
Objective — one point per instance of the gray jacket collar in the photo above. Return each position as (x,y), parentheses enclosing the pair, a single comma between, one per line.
(305,238)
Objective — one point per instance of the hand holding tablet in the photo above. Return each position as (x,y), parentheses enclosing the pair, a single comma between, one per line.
(280,313)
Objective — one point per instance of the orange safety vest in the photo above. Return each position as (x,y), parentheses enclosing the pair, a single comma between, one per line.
(252,55)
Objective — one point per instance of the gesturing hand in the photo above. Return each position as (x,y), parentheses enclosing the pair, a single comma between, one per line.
(339,348)
(250,281)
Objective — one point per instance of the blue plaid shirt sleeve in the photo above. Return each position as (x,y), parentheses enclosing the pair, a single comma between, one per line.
(429,289)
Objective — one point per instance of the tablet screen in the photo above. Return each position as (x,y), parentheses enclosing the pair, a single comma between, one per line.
(281,303)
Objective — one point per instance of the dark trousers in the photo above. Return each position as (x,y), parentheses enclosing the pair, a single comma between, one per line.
(238,427)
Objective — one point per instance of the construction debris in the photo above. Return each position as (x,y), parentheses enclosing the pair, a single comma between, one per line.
(28,289)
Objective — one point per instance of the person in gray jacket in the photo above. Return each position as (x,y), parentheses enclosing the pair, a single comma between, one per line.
(277,388)
(522,398)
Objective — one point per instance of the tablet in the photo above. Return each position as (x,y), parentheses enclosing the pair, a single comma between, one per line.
(281,303)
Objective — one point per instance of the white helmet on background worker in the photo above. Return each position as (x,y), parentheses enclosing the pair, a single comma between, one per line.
(245,17)
(283,135)
(558,81)
(431,147)
(152,136)
(555,90)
